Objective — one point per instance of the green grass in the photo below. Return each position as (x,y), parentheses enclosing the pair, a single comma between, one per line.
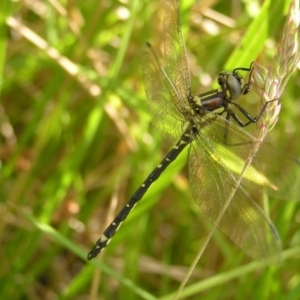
(76,141)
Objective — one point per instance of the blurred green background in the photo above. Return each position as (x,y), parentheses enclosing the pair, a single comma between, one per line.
(76,141)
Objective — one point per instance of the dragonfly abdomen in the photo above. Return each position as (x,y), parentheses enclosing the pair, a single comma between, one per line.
(136,197)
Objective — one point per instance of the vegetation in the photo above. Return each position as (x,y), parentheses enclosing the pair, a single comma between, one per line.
(76,141)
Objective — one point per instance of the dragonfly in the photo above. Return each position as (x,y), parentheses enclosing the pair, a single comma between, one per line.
(209,124)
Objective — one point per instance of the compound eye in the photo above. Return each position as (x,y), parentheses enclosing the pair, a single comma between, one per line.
(234,87)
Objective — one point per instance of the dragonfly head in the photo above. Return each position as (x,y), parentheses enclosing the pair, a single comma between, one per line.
(232,84)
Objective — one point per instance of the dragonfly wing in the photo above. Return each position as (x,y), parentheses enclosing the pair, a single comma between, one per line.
(282,171)
(213,181)
(175,56)
(274,170)
(161,95)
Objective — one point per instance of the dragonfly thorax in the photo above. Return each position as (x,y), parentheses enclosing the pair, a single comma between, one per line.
(210,101)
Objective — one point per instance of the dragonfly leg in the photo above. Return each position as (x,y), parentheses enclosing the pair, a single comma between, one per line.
(251,119)
(247,86)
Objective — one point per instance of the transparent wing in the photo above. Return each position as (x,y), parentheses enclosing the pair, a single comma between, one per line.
(216,160)
(175,54)
(282,171)
(161,95)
